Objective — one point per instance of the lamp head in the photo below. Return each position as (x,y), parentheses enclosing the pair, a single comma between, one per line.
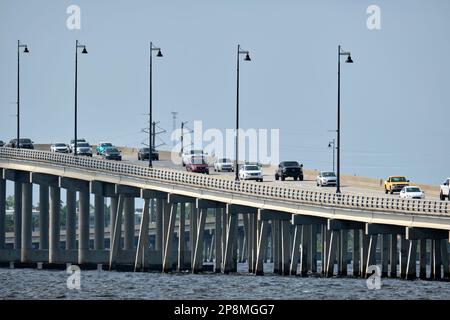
(159,54)
(349,59)
(247,57)
(84,50)
(329,145)
(26,50)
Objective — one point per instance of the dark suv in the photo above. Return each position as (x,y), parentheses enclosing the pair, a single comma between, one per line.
(23,143)
(144,153)
(289,169)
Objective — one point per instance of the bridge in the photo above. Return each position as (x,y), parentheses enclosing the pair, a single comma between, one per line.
(302,231)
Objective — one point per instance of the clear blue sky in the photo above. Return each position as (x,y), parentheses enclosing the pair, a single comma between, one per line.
(395,97)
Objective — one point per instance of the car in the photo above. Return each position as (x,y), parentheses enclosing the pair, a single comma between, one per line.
(72,144)
(59,147)
(412,192)
(144,153)
(112,153)
(223,164)
(197,164)
(395,184)
(101,147)
(2,144)
(445,186)
(250,172)
(326,178)
(24,143)
(289,169)
(84,149)
(185,157)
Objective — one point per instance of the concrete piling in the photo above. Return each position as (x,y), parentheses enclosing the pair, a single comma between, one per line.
(43,216)
(27,221)
(99,223)
(2,210)
(55,207)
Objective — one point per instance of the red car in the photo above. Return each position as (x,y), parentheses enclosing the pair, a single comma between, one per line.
(197,164)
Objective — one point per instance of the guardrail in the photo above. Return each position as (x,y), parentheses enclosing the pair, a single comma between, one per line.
(327,199)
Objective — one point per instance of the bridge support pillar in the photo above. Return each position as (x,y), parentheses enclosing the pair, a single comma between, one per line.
(393,256)
(331,252)
(218,241)
(181,237)
(99,222)
(143,243)
(404,248)
(83,226)
(371,253)
(170,214)
(55,209)
(261,246)
(129,209)
(230,235)
(436,259)
(2,209)
(17,214)
(193,233)
(384,255)
(198,252)
(356,254)
(445,258)
(343,250)
(423,259)
(112,216)
(365,241)
(244,249)
(159,231)
(71,219)
(43,216)
(27,221)
(285,246)
(411,268)
(295,255)
(116,233)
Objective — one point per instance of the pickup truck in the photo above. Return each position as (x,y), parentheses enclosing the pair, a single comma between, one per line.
(395,184)
(289,169)
(197,164)
(445,189)
(186,157)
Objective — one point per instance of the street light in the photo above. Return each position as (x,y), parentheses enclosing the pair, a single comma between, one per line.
(158,54)
(84,51)
(182,137)
(19,45)
(247,58)
(349,60)
(332,144)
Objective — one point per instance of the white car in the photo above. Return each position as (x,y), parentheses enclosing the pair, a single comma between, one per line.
(72,144)
(326,178)
(59,147)
(186,157)
(412,192)
(250,172)
(223,165)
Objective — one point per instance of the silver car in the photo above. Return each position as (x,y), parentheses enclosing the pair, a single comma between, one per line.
(326,178)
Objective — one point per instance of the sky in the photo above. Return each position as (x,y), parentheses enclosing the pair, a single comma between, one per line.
(394,97)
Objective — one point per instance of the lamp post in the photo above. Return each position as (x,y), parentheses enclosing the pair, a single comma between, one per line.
(182,137)
(332,144)
(349,60)
(247,58)
(19,45)
(150,147)
(84,51)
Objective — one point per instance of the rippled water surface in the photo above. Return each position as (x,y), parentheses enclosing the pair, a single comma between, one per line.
(51,284)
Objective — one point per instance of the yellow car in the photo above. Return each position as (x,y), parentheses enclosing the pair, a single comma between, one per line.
(395,184)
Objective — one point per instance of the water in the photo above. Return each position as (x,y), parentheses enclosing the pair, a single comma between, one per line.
(52,284)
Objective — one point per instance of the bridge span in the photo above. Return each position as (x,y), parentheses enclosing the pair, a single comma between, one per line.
(302,231)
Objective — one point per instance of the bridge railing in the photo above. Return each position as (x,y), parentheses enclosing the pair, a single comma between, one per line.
(328,199)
